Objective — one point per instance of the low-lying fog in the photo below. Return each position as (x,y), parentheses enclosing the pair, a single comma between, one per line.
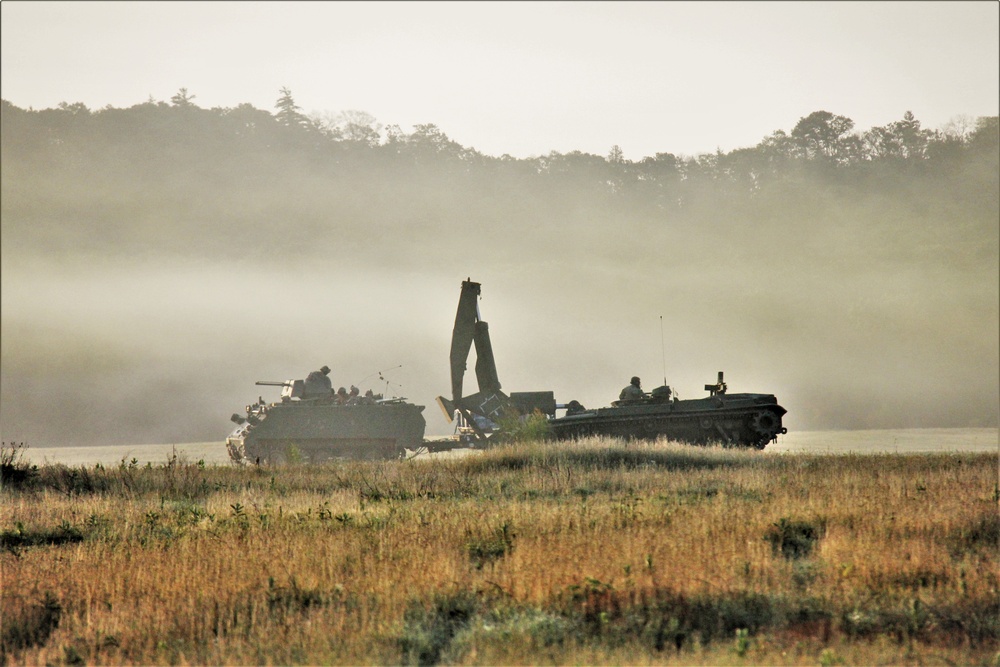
(165,352)
(158,260)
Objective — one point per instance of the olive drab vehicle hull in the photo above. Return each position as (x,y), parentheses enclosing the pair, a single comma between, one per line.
(738,420)
(323,429)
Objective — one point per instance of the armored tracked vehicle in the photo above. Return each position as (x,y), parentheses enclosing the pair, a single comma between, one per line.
(312,423)
(740,420)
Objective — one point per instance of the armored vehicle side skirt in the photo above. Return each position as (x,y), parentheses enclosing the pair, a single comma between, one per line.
(695,424)
(321,430)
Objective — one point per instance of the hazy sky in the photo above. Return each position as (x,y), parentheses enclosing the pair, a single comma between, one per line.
(523,78)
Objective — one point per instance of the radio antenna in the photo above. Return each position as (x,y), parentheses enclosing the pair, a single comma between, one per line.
(663,352)
(379,374)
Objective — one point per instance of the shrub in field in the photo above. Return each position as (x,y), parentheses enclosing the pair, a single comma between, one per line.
(982,533)
(76,481)
(488,548)
(13,540)
(430,629)
(977,622)
(14,471)
(293,598)
(31,627)
(664,619)
(173,480)
(712,617)
(792,538)
(910,619)
(494,628)
(526,428)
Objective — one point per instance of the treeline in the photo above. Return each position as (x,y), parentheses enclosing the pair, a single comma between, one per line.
(821,137)
(157,173)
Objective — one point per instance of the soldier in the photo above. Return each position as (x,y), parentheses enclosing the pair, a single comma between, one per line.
(633,392)
(341,396)
(318,384)
(353,398)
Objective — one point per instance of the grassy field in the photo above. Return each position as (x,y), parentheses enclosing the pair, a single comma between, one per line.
(593,552)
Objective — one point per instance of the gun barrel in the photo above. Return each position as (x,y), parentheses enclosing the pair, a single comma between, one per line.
(272,383)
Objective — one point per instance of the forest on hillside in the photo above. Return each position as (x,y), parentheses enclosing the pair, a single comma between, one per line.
(851,271)
(163,178)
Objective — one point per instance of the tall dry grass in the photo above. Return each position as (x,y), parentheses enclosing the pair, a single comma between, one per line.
(586,552)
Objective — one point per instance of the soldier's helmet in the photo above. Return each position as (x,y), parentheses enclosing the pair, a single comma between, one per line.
(325,370)
(635,380)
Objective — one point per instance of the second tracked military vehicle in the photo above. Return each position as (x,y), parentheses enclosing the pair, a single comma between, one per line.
(312,423)
(743,420)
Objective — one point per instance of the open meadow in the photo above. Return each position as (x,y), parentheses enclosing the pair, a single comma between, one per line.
(588,552)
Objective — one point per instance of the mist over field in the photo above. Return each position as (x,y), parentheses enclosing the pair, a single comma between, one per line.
(158,260)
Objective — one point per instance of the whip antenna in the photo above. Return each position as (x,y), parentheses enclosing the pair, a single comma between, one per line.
(663,352)
(379,374)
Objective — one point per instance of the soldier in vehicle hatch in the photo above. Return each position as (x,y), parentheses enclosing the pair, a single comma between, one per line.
(633,392)
(318,384)
(353,397)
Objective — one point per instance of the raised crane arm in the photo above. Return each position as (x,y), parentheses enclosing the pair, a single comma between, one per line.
(489,402)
